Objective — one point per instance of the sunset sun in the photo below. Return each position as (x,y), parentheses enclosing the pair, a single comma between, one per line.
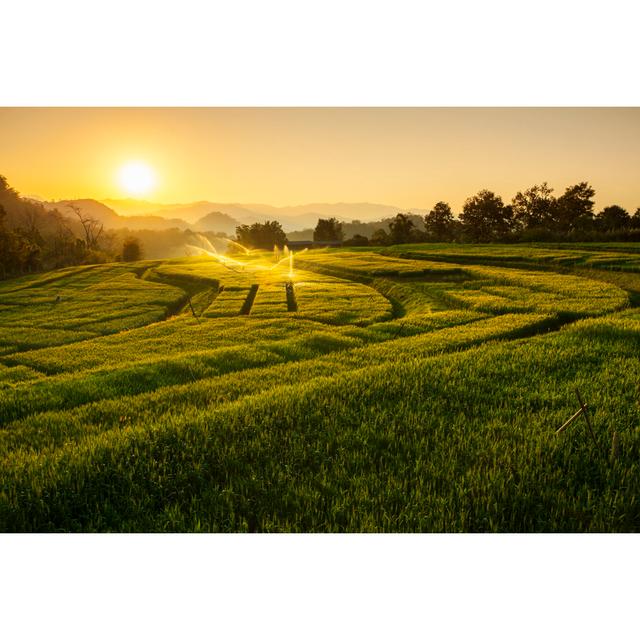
(136,178)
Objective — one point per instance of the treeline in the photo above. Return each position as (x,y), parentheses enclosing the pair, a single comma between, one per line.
(33,238)
(534,215)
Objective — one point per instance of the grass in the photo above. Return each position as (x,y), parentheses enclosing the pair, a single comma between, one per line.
(415,393)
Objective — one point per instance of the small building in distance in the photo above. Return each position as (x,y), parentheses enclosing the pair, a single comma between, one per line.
(297,245)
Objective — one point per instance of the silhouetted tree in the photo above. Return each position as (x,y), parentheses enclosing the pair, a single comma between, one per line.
(613,218)
(64,249)
(635,219)
(574,209)
(402,230)
(92,227)
(356,241)
(534,208)
(6,246)
(328,230)
(131,250)
(20,250)
(261,235)
(440,223)
(380,237)
(485,218)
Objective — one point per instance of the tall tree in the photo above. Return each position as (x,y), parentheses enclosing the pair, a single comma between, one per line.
(401,229)
(574,210)
(328,230)
(440,223)
(7,246)
(613,218)
(534,208)
(92,227)
(485,218)
(380,237)
(259,235)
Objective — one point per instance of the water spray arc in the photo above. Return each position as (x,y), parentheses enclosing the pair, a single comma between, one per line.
(205,241)
(237,244)
(223,260)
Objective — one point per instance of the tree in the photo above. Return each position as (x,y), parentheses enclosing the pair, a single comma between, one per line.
(439,223)
(613,218)
(19,251)
(92,227)
(131,250)
(635,219)
(574,208)
(401,229)
(380,237)
(356,241)
(485,218)
(64,248)
(7,245)
(534,208)
(328,230)
(261,235)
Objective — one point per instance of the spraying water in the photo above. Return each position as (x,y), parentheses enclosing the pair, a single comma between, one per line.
(224,260)
(199,251)
(205,241)
(277,264)
(237,244)
(238,265)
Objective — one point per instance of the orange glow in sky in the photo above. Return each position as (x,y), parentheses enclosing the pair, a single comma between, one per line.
(404,157)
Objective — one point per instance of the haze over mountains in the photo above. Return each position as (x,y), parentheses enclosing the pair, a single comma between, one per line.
(291,218)
(219,217)
(211,221)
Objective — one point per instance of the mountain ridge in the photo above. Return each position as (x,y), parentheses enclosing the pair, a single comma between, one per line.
(292,217)
(203,215)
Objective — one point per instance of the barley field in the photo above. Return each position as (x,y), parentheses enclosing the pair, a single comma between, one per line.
(415,388)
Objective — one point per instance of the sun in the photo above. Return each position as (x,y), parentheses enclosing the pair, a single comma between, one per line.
(136,178)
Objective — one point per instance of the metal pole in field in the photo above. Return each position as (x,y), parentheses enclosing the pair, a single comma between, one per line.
(586,417)
(574,417)
(193,311)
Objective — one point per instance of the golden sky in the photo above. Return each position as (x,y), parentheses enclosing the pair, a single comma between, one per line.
(404,157)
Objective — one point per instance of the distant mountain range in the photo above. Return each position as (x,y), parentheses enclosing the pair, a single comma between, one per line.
(212,221)
(220,217)
(291,218)
(113,220)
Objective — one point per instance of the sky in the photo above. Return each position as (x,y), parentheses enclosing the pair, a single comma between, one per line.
(405,157)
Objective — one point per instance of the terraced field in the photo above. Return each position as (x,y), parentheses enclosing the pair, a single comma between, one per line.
(410,388)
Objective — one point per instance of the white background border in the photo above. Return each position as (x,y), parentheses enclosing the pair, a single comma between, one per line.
(334,52)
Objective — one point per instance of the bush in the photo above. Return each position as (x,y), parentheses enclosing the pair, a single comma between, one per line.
(131,250)
(356,241)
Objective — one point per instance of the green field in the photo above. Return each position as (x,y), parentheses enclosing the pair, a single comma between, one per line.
(400,389)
